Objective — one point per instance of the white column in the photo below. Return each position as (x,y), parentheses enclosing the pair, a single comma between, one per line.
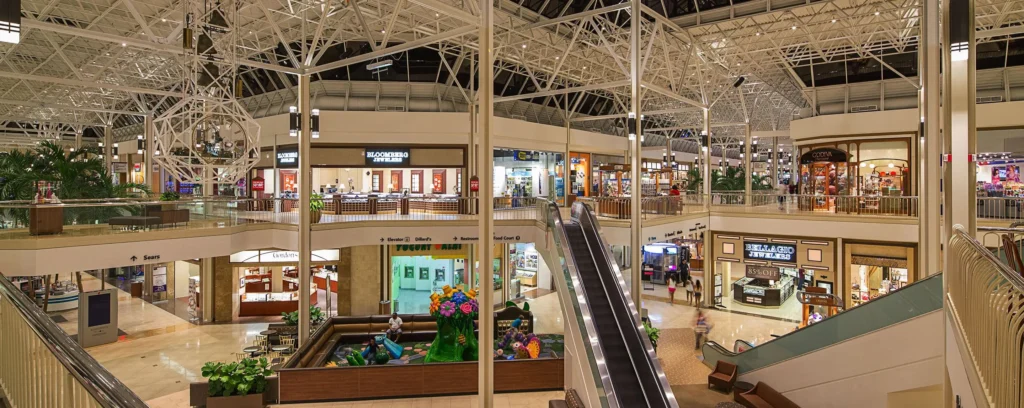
(636,154)
(746,162)
(773,161)
(960,93)
(147,142)
(929,197)
(706,155)
(471,152)
(108,140)
(206,290)
(486,218)
(305,179)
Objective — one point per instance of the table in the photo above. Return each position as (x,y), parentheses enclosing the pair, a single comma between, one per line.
(268,332)
(252,350)
(729,404)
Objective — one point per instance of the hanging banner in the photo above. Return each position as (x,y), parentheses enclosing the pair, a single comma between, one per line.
(258,184)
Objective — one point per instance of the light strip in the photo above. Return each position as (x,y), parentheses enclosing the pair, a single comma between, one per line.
(825,243)
(756,239)
(728,237)
(785,241)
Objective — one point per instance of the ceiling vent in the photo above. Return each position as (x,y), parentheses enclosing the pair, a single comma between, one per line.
(864,108)
(385,108)
(989,99)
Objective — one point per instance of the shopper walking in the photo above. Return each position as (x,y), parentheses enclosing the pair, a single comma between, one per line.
(701,328)
(671,282)
(697,291)
(688,285)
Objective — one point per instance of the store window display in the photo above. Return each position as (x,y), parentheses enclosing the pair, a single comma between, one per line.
(871,281)
(427,269)
(527,173)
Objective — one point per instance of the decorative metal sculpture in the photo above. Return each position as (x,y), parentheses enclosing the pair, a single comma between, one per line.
(208,136)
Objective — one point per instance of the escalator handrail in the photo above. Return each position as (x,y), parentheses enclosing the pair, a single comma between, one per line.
(585,217)
(596,350)
(714,347)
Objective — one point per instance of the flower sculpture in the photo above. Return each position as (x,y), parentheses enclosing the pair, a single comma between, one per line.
(455,312)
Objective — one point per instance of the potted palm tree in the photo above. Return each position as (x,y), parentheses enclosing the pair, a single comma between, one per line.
(236,384)
(316,207)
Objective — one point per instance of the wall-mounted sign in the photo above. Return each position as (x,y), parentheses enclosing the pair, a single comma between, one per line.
(436,251)
(525,155)
(259,184)
(386,157)
(769,252)
(137,167)
(474,184)
(160,279)
(119,167)
(319,255)
(823,154)
(287,157)
(763,272)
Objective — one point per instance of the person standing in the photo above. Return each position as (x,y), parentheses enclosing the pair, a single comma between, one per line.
(671,282)
(697,292)
(689,290)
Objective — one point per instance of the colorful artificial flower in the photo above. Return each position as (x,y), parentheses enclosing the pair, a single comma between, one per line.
(471,294)
(466,308)
(434,306)
(434,297)
(459,297)
(472,303)
(447,290)
(447,309)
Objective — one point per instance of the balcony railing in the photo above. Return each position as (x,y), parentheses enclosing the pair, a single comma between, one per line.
(800,203)
(42,367)
(651,207)
(987,301)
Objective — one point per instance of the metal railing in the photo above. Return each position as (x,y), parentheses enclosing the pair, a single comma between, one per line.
(650,207)
(986,298)
(41,367)
(804,203)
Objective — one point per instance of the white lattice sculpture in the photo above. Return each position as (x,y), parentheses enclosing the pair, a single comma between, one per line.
(208,135)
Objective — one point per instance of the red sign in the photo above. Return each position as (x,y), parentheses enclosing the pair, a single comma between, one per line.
(258,184)
(137,167)
(474,183)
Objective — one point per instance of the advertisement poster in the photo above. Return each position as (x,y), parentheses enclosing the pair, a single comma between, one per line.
(160,279)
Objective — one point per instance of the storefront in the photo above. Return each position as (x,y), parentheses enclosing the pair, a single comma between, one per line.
(527,271)
(875,270)
(353,174)
(417,270)
(999,178)
(870,167)
(528,173)
(268,281)
(761,274)
(579,174)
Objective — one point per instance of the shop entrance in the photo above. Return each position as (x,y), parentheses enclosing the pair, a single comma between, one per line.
(823,176)
(419,270)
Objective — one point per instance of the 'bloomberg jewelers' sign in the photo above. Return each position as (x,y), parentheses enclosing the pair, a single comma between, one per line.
(769,252)
(387,157)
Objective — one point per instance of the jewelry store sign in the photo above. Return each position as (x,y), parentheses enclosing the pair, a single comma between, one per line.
(389,157)
(769,251)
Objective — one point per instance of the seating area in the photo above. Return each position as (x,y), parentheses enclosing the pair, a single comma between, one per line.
(723,377)
(153,216)
(763,396)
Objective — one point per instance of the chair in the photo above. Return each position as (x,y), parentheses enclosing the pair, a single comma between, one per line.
(241,356)
(724,376)
(763,396)
(290,343)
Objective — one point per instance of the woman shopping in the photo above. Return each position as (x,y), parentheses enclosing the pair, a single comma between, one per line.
(671,282)
(697,291)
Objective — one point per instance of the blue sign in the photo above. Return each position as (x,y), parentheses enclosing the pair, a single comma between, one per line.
(525,155)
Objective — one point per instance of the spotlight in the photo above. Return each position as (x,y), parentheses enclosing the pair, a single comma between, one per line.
(739,81)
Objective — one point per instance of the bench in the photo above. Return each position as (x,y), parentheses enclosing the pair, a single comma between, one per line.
(133,221)
(763,396)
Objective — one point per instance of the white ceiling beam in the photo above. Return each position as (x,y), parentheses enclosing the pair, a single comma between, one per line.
(669,93)
(86,84)
(449,11)
(44,105)
(616,84)
(392,50)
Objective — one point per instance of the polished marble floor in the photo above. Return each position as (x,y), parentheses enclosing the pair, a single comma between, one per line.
(160,353)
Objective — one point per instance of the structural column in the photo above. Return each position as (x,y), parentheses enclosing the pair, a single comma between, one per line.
(305,180)
(706,156)
(485,160)
(206,290)
(746,152)
(636,149)
(108,140)
(471,150)
(961,143)
(930,236)
(773,163)
(147,143)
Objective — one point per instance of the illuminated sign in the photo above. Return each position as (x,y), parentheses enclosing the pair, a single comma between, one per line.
(389,157)
(769,252)
(763,272)
(287,157)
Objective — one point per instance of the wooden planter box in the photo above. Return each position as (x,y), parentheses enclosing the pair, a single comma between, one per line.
(198,396)
(236,401)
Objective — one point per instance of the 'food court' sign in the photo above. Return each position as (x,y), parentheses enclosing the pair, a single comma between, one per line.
(769,252)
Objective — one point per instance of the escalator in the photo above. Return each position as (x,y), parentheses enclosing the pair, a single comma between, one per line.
(631,374)
(888,313)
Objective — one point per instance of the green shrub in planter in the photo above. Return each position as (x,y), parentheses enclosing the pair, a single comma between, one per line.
(316,317)
(170,196)
(248,376)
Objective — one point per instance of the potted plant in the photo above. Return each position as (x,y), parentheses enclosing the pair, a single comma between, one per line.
(291,319)
(316,207)
(169,196)
(652,333)
(236,385)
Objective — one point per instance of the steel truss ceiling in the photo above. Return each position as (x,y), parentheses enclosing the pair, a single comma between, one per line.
(91,63)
